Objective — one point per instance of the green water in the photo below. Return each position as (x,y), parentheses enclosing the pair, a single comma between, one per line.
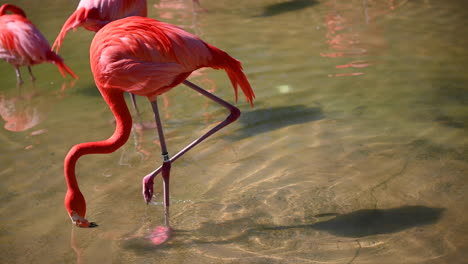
(355,152)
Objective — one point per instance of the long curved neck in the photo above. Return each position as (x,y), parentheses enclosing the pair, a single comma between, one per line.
(116,101)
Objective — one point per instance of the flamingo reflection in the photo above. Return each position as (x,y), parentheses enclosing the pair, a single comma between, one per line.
(19,113)
(352,33)
(78,251)
(184,13)
(26,109)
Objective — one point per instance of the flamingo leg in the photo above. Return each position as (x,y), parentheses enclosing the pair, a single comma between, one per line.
(19,80)
(166,167)
(132,97)
(234,114)
(30,73)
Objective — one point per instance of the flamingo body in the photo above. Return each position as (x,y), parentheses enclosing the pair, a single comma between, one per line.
(146,57)
(22,44)
(94,14)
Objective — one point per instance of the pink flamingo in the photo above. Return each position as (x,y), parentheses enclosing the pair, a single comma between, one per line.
(22,44)
(94,14)
(146,57)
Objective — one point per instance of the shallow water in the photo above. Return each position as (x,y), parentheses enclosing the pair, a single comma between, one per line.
(355,152)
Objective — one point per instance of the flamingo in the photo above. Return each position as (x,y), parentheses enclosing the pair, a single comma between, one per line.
(146,57)
(94,14)
(22,44)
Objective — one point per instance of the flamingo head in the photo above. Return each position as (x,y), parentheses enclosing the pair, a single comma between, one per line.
(76,207)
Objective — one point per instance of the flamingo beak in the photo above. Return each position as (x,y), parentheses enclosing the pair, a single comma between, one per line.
(80,221)
(85,224)
(92,224)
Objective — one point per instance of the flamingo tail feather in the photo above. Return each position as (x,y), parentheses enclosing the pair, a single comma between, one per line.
(234,71)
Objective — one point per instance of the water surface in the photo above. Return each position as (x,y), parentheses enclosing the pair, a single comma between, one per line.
(355,151)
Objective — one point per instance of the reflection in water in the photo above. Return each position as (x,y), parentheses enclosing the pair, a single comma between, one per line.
(78,251)
(27,109)
(183,13)
(21,112)
(352,33)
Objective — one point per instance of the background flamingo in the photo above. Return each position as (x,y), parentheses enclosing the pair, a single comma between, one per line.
(22,44)
(94,14)
(150,61)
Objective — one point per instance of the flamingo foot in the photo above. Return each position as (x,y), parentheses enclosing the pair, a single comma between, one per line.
(148,185)
(160,235)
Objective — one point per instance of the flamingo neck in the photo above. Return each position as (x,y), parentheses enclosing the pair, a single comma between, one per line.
(116,101)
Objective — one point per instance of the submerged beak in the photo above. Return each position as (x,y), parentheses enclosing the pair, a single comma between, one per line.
(80,221)
(86,224)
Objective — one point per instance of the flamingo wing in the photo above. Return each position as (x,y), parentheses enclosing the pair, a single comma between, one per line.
(148,57)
